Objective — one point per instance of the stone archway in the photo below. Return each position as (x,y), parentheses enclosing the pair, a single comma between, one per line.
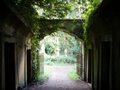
(79,60)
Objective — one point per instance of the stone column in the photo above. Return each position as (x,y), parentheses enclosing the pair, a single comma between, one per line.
(79,65)
(41,63)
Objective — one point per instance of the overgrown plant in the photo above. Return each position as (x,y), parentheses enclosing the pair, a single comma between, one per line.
(73,75)
(87,17)
(35,58)
(62,59)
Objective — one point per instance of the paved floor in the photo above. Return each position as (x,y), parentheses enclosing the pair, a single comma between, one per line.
(60,81)
(60,85)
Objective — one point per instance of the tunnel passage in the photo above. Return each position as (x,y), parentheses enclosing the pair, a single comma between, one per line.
(74,28)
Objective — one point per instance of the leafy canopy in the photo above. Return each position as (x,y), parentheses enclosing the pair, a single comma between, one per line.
(50,9)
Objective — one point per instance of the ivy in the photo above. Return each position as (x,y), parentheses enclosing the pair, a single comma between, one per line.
(88,18)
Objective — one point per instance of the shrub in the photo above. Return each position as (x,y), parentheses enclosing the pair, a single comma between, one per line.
(50,49)
(59,59)
(73,75)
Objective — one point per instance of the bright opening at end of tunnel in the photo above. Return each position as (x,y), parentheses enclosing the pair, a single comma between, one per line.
(60,53)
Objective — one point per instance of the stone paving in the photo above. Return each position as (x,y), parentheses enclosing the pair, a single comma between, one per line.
(60,85)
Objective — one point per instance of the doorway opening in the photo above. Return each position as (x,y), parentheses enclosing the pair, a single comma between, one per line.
(89,65)
(9,56)
(29,65)
(105,64)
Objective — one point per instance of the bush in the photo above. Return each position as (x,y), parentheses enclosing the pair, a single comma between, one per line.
(73,75)
(48,62)
(59,59)
(50,49)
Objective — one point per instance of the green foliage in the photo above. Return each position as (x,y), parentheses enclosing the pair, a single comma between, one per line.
(49,49)
(35,10)
(35,58)
(58,42)
(46,27)
(50,9)
(50,60)
(44,76)
(73,75)
(35,67)
(87,16)
(64,41)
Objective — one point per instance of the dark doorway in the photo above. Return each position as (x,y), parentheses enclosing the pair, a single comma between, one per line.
(0,62)
(89,65)
(9,56)
(105,62)
(29,66)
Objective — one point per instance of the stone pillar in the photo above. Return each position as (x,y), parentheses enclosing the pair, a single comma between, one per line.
(79,65)
(115,61)
(85,63)
(41,63)
(80,62)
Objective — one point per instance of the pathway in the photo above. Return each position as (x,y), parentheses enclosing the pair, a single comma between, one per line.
(60,81)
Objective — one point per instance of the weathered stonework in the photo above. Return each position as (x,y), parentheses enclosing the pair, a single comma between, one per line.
(13,49)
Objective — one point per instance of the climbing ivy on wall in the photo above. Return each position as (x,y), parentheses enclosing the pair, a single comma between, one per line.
(35,57)
(87,17)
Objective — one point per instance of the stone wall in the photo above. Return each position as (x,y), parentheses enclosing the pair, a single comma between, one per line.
(0,62)
(13,31)
(106,37)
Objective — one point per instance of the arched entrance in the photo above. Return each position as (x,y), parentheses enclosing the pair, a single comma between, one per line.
(62,50)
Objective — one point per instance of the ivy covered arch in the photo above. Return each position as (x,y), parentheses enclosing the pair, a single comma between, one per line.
(47,27)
